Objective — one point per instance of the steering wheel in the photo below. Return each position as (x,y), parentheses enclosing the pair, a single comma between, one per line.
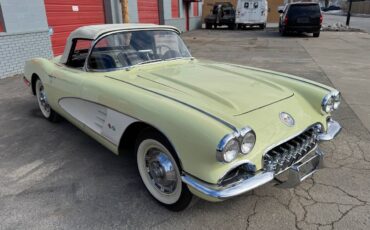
(160,47)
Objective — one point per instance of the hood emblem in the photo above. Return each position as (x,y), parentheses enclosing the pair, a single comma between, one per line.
(287,119)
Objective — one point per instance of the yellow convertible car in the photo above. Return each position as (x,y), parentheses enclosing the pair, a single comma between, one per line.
(213,130)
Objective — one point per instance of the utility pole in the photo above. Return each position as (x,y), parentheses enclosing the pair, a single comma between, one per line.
(349,12)
(124,6)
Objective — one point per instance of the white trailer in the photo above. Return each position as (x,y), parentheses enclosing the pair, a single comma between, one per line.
(251,13)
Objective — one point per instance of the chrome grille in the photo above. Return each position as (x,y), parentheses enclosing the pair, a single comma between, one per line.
(282,156)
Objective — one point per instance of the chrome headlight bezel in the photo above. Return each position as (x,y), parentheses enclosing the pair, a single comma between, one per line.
(247,133)
(231,145)
(330,102)
(337,100)
(226,146)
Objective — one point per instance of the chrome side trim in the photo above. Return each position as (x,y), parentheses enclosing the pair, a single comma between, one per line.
(280,75)
(138,120)
(333,130)
(181,102)
(292,95)
(224,193)
(104,121)
(158,83)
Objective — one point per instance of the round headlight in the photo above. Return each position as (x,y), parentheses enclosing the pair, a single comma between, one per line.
(328,103)
(248,142)
(337,99)
(229,151)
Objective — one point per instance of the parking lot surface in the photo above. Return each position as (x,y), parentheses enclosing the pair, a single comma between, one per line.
(53,176)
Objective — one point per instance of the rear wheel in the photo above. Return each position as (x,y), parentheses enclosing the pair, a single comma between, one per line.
(42,100)
(282,31)
(208,26)
(316,34)
(160,172)
(262,26)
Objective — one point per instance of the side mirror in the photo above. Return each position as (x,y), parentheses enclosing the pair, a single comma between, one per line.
(281,11)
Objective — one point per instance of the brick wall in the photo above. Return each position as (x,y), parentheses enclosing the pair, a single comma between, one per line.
(16,48)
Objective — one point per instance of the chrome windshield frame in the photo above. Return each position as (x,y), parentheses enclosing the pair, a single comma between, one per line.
(127,68)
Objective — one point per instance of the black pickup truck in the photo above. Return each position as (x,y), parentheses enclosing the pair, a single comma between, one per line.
(222,13)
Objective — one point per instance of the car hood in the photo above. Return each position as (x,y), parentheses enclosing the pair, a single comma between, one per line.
(210,87)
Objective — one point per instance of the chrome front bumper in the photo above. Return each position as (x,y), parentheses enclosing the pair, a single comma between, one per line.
(332,131)
(296,173)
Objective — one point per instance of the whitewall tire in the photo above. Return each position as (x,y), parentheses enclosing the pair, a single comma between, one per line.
(160,172)
(43,103)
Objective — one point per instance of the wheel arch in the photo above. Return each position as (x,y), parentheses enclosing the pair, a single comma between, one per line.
(34,77)
(130,135)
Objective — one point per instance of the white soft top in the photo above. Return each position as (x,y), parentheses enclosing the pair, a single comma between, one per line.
(92,32)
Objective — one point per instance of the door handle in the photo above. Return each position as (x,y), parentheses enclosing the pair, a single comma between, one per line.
(51,76)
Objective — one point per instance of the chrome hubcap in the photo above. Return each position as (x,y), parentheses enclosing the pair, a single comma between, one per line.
(43,99)
(161,171)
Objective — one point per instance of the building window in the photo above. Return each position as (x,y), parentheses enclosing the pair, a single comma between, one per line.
(2,24)
(175,9)
(195,9)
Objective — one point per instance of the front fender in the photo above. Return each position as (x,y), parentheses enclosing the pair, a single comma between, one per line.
(193,134)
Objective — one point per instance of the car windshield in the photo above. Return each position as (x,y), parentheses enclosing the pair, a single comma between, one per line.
(125,49)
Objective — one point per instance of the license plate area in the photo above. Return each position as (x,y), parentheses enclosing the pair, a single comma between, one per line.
(300,171)
(307,168)
(303,20)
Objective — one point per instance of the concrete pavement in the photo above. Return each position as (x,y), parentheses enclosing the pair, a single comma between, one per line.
(53,176)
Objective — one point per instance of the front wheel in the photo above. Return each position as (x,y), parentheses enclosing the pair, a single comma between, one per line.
(208,26)
(42,100)
(159,170)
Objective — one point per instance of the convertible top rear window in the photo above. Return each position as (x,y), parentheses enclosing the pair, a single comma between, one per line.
(124,49)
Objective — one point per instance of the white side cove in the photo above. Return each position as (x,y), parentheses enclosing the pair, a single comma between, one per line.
(104,121)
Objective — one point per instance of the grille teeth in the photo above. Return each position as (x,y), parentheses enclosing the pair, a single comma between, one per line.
(286,154)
